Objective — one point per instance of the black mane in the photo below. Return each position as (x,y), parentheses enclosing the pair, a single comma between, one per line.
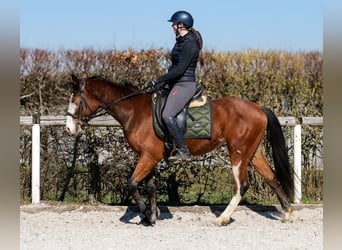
(124,83)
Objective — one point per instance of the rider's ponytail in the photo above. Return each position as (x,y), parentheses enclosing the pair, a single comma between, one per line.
(198,36)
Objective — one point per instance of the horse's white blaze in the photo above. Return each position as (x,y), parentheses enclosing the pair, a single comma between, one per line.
(70,123)
(234,202)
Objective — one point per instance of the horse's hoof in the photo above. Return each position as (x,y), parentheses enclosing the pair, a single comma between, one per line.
(221,221)
(287,217)
(152,221)
(151,217)
(286,220)
(144,222)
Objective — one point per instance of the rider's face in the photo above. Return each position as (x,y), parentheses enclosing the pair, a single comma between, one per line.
(177,27)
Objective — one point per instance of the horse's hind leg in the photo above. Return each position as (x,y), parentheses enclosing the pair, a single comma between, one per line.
(261,165)
(240,187)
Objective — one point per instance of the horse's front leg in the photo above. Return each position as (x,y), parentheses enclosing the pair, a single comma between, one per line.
(144,169)
(151,213)
(133,190)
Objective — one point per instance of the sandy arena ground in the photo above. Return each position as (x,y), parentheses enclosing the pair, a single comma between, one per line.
(114,227)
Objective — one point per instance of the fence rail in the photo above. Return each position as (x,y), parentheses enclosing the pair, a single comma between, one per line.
(107,120)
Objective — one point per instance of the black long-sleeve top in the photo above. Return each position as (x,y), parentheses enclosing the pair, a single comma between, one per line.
(184,57)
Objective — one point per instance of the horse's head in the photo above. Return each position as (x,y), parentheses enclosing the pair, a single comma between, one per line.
(81,106)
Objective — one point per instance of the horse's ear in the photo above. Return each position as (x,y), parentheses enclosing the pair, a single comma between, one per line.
(74,78)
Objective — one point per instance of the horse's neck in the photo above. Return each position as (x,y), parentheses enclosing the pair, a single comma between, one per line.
(133,112)
(122,111)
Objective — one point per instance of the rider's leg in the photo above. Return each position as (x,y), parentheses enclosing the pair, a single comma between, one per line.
(178,137)
(178,97)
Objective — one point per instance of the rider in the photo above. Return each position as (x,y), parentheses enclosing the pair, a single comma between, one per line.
(180,77)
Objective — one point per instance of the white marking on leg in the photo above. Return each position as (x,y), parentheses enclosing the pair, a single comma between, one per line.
(234,202)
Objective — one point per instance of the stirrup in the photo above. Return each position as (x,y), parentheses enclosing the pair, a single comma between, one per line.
(181,155)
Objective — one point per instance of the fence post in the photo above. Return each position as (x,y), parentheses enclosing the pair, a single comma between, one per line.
(297,165)
(36,159)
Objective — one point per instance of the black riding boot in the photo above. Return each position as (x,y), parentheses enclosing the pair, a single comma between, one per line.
(178,137)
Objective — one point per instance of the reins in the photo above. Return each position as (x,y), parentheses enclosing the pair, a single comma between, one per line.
(102,110)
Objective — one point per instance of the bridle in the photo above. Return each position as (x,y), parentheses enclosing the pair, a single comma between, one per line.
(83,104)
(100,111)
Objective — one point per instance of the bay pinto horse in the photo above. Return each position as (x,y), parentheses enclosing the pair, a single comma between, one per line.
(238,123)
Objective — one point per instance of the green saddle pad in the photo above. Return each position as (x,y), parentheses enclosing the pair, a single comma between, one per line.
(199,122)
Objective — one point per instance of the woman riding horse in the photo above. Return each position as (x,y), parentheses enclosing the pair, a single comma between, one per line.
(180,77)
(240,124)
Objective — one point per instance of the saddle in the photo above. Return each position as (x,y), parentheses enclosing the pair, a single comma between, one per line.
(194,119)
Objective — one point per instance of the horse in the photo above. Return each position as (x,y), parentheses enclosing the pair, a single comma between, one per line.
(241,124)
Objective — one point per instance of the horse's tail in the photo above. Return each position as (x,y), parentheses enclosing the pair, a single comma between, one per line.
(280,154)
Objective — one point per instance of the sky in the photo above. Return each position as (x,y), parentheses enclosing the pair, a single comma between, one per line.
(225,25)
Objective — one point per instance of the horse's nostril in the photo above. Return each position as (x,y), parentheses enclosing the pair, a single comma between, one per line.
(67,129)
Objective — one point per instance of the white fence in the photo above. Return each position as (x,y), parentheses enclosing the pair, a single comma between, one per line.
(109,121)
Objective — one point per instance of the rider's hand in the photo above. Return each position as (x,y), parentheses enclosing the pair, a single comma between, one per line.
(153,82)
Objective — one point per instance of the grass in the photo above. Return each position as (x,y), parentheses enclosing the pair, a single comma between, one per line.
(202,187)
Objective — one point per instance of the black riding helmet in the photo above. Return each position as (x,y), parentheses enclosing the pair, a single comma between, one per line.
(182,17)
